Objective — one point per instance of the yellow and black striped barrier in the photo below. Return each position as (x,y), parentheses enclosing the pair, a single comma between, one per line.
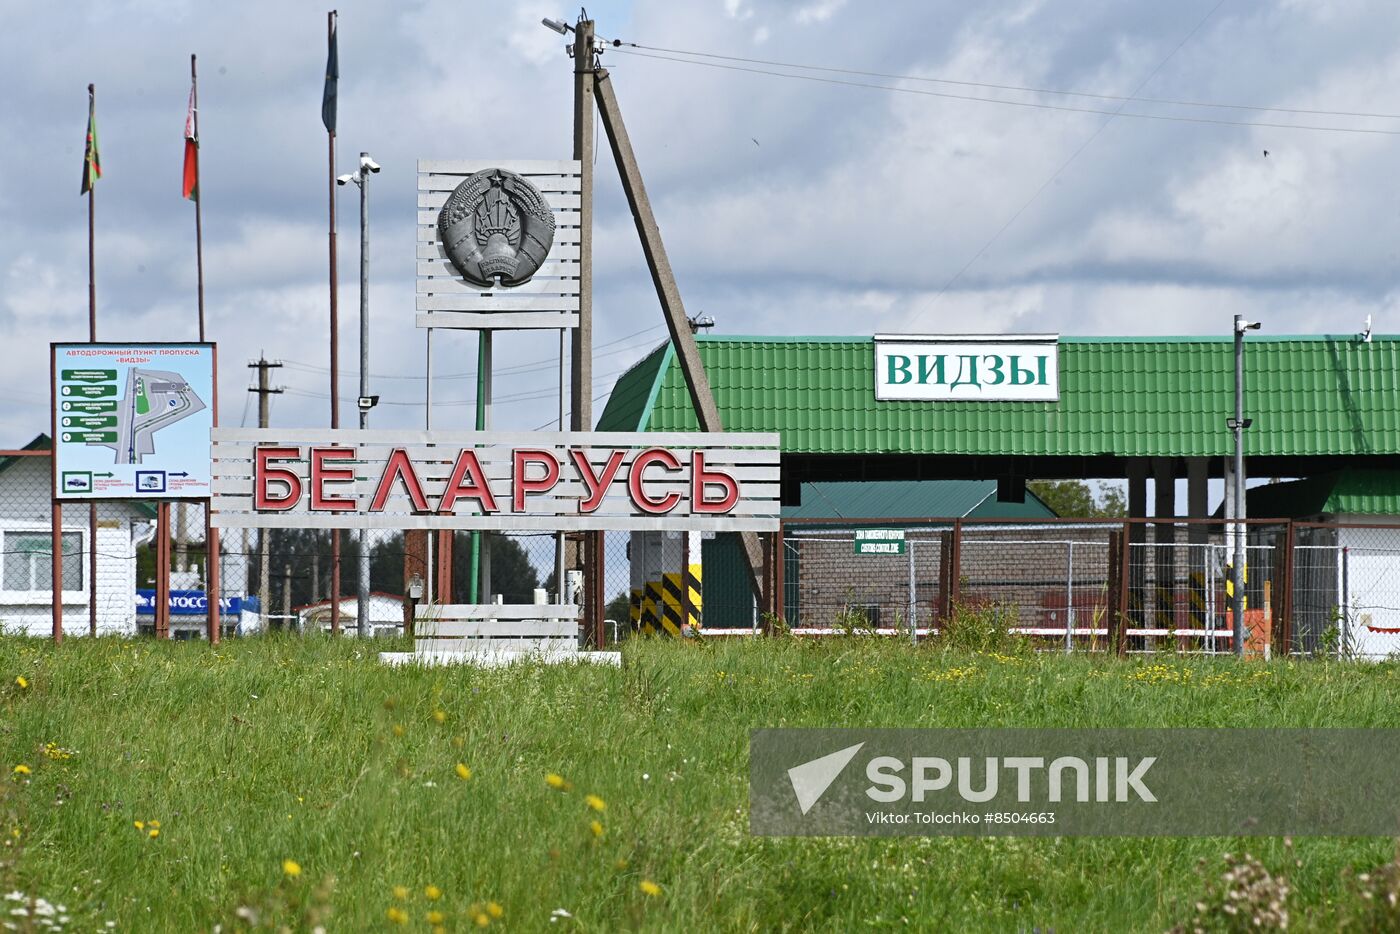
(657,606)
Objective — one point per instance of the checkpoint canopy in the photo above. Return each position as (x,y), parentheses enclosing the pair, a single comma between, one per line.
(132,421)
(1108,404)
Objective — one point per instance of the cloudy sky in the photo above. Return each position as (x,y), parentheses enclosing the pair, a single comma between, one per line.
(788,206)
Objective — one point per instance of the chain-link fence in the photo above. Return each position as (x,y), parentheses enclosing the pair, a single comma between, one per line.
(1138,586)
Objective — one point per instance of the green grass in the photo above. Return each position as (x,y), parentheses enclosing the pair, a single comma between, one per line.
(276,749)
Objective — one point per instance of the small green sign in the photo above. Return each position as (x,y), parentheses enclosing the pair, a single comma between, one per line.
(879,541)
(90,376)
(88,392)
(89,406)
(90,437)
(89,421)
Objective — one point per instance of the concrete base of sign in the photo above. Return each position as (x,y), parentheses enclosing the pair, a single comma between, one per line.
(498,658)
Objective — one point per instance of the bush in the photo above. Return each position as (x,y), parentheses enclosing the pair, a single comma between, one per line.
(983,628)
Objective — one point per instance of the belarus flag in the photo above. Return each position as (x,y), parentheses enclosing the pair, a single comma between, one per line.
(191,182)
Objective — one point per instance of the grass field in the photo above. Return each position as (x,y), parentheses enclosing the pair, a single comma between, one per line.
(300,783)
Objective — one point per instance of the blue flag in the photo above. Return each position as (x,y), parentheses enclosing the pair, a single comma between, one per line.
(332,77)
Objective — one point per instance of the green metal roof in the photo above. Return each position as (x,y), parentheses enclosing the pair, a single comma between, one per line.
(1346,492)
(903,499)
(41,442)
(1125,396)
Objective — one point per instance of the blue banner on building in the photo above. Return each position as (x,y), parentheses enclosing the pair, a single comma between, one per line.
(186,603)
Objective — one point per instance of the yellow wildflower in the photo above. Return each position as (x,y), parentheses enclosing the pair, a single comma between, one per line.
(22,681)
(596,827)
(649,888)
(556,782)
(153,833)
(396,915)
(139,825)
(596,803)
(22,769)
(463,772)
(433,893)
(398,729)
(401,892)
(494,909)
(440,716)
(481,919)
(291,868)
(153,823)
(436,917)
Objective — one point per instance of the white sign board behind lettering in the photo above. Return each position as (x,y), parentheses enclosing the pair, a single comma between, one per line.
(944,369)
(324,478)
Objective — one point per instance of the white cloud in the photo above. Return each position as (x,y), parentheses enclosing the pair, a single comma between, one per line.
(788,207)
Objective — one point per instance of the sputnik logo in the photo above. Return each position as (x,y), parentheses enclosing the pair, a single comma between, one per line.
(810,780)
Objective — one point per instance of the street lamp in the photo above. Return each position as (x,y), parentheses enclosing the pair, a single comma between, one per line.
(1237,425)
(366,401)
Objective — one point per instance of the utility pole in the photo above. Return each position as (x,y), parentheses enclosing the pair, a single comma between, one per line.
(585,60)
(581,360)
(265,392)
(1237,425)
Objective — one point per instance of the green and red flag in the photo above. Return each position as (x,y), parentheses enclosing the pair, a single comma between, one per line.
(190,186)
(92,162)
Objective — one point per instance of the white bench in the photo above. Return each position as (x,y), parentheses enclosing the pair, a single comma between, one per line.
(498,627)
(493,634)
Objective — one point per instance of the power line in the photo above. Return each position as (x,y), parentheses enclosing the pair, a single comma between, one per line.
(533,366)
(1171,118)
(1127,98)
(513,397)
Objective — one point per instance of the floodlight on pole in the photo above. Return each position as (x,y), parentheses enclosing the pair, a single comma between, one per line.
(365,401)
(562,28)
(1237,425)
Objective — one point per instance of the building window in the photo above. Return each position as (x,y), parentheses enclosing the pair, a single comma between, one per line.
(29,564)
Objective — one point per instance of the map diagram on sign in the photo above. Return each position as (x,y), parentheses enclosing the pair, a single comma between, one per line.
(132,420)
(154,399)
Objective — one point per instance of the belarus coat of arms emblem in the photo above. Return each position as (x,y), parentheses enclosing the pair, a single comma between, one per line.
(496,229)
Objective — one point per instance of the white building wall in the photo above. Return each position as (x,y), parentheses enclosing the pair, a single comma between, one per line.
(25,511)
(1368,575)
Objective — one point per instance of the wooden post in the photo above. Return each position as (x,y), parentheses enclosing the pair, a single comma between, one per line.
(56,558)
(212,562)
(779,572)
(946,578)
(162,615)
(443,566)
(955,570)
(765,593)
(1120,635)
(1113,615)
(599,593)
(1283,626)
(664,281)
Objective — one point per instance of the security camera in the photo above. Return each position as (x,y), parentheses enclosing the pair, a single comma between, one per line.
(367,163)
(345,179)
(561,28)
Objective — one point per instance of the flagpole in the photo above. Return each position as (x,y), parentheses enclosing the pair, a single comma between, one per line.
(198,199)
(335,328)
(92,338)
